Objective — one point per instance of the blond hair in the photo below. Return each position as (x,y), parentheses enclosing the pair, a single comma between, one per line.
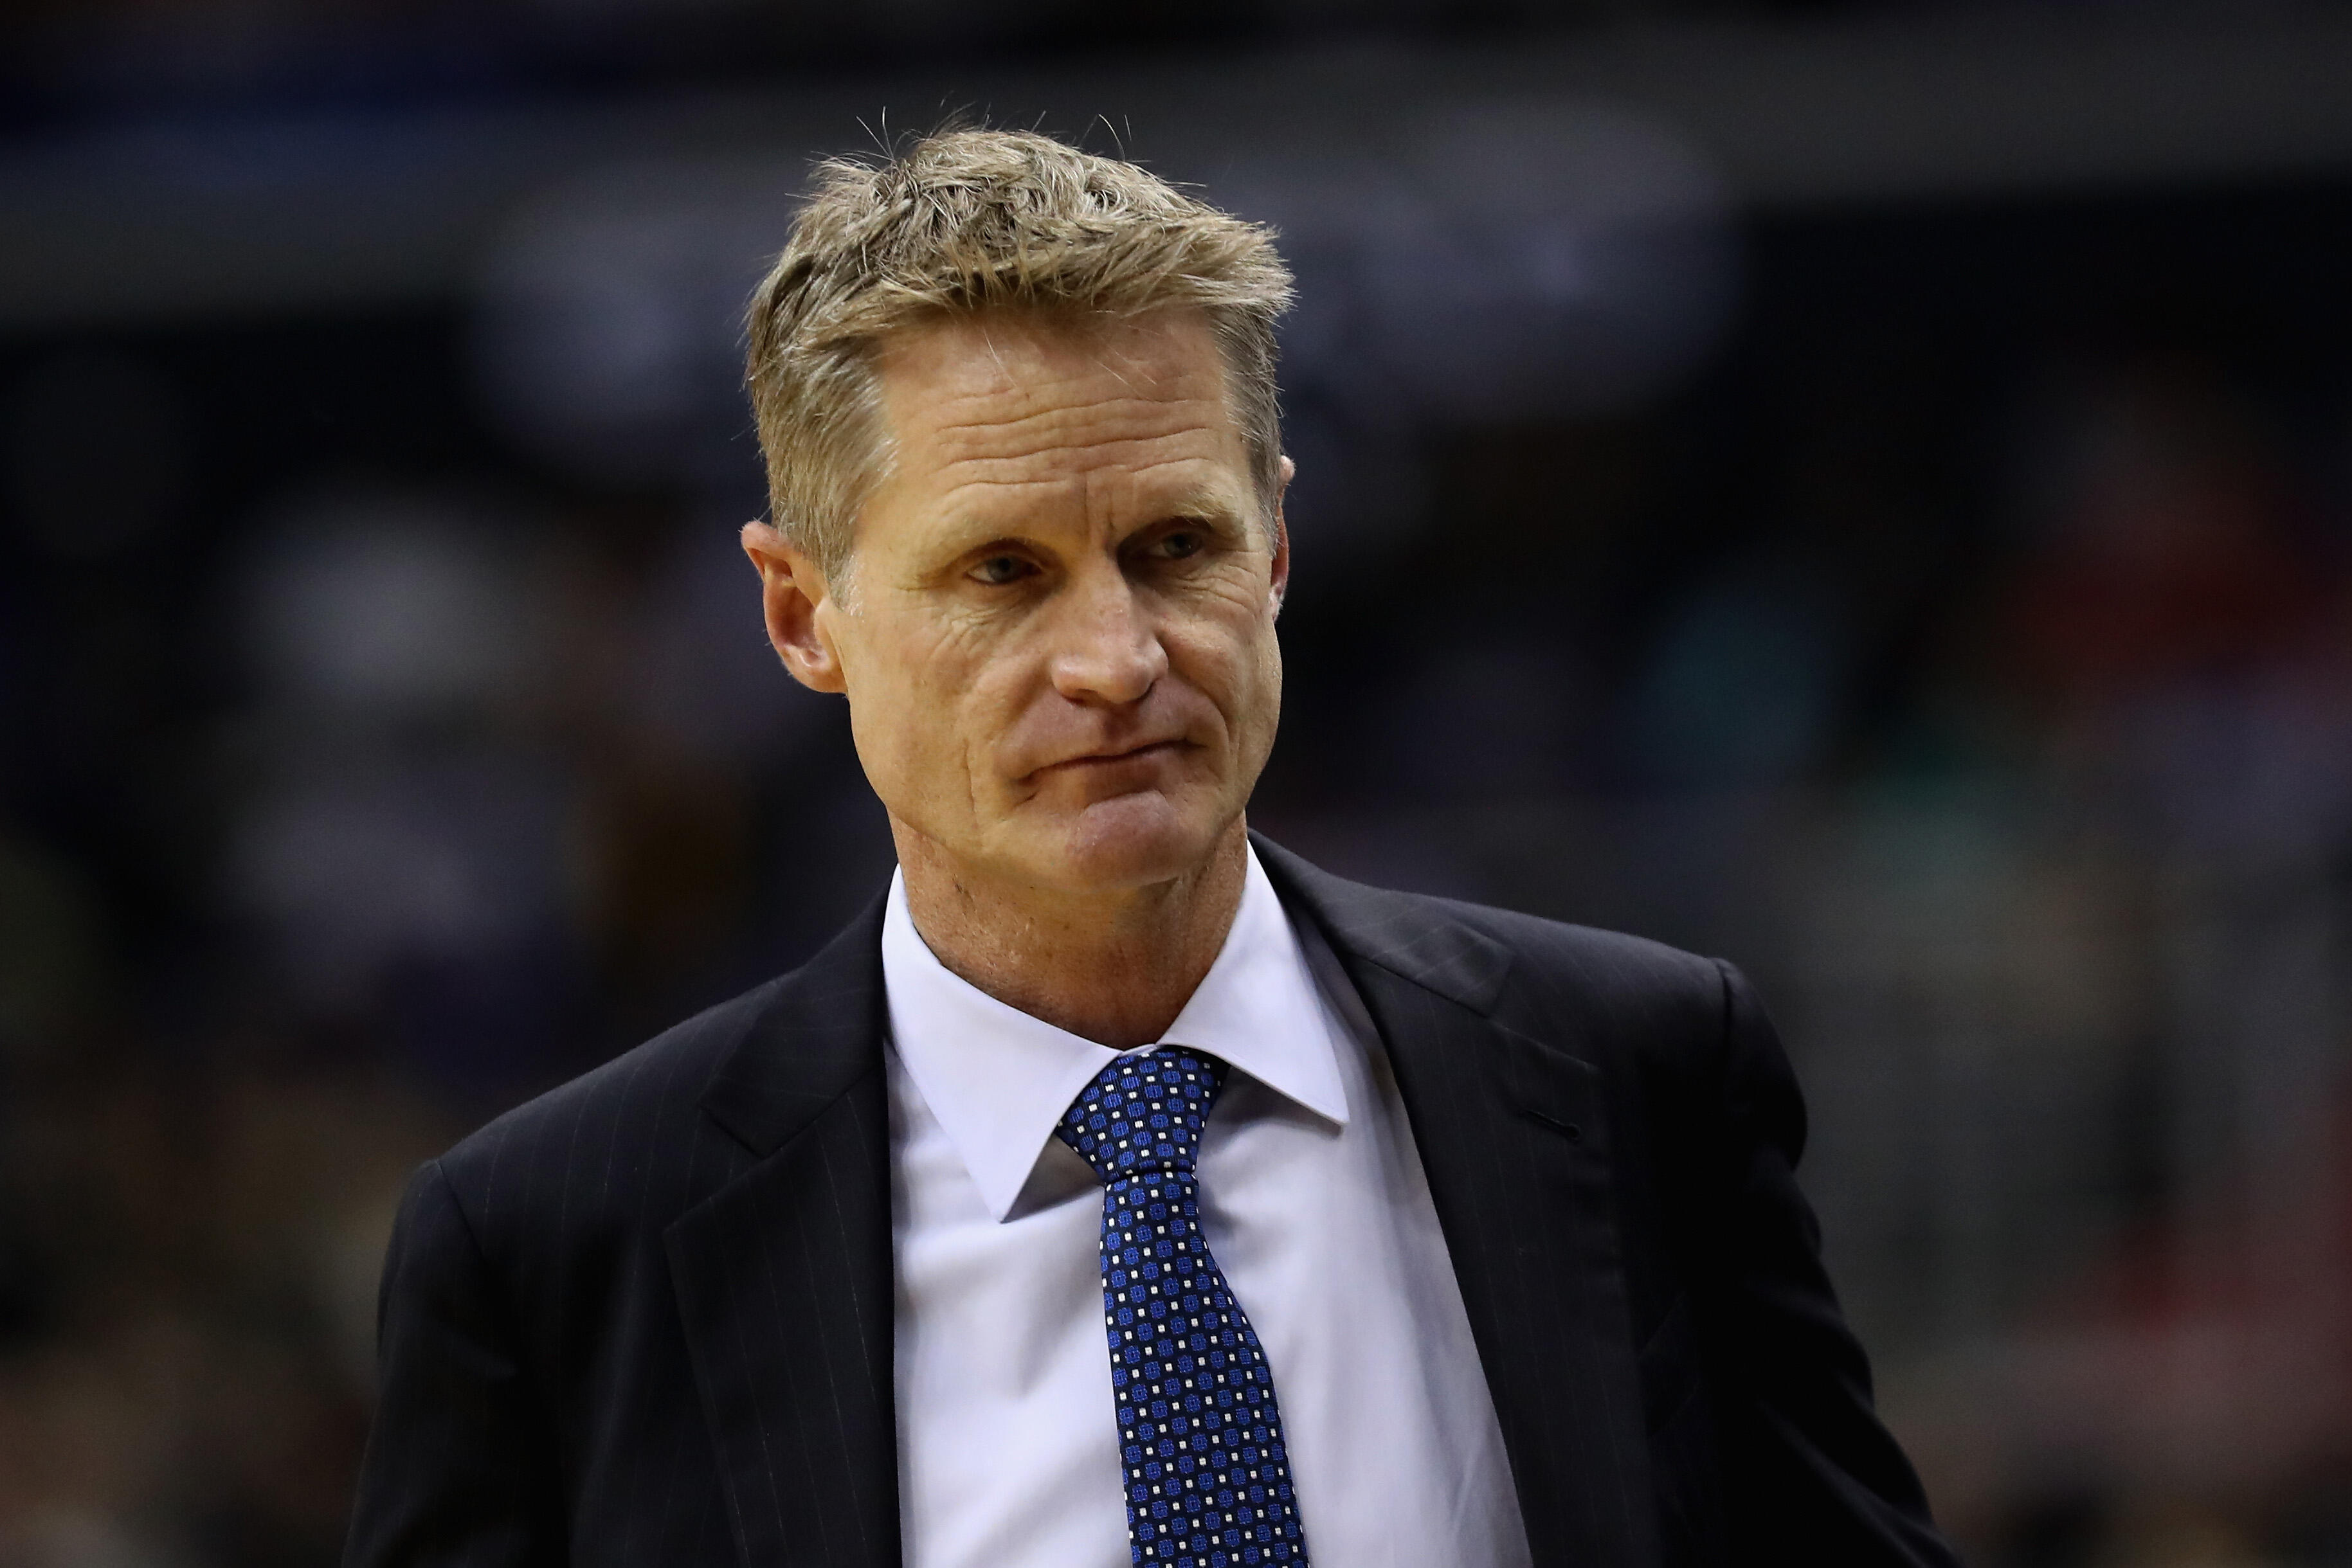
(971,221)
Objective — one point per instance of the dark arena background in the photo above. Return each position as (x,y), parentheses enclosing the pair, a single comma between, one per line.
(1865,490)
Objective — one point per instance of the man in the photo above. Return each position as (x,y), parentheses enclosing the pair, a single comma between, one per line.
(1119,1187)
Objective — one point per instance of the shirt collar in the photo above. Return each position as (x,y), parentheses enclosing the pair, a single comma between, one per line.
(997,1080)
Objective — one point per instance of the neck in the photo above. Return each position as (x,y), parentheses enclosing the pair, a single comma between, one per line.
(1115,967)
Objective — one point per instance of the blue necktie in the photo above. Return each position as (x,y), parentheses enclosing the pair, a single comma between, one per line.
(1208,1477)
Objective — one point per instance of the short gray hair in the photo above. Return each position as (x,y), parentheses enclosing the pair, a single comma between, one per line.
(971,221)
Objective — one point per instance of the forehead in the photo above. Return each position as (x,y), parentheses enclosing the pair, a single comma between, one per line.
(1027,399)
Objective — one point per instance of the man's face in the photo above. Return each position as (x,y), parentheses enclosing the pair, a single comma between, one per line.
(1058,641)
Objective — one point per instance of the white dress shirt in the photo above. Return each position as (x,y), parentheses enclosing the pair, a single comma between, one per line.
(1313,1203)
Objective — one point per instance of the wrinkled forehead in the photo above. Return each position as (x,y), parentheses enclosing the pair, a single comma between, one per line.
(1013,400)
(1001,364)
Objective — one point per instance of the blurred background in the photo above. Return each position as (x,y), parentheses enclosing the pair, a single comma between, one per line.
(1865,489)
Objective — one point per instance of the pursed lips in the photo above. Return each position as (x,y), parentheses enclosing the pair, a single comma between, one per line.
(1139,753)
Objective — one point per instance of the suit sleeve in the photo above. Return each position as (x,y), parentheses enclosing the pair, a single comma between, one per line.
(1807,1465)
(460,1465)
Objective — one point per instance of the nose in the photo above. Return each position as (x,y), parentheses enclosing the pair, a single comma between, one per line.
(1108,651)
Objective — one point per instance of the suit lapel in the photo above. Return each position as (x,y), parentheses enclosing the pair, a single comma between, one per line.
(784,1276)
(1511,1133)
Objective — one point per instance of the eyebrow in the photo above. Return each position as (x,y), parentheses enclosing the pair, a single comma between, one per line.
(1207,502)
(1204,503)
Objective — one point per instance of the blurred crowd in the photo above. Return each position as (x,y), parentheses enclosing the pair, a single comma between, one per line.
(1944,611)
(331,828)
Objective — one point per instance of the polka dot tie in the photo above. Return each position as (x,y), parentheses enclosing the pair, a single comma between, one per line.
(1208,1477)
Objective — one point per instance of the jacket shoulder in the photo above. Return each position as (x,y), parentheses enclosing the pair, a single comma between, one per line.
(1625,1003)
(1658,1019)
(1634,1008)
(1610,973)
(1500,961)
(609,1128)
(1680,1041)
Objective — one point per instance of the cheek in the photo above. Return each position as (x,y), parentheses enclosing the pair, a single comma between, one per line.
(895,686)
(1265,691)
(1229,625)
(925,702)
(1233,659)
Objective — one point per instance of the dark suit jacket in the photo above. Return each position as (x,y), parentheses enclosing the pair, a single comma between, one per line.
(645,1319)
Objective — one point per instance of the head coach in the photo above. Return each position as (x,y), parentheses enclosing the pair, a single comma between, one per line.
(1119,1187)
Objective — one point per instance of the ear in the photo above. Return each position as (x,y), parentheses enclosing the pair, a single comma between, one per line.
(791,590)
(1281,565)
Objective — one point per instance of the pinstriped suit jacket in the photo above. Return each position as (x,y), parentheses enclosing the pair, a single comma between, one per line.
(646,1318)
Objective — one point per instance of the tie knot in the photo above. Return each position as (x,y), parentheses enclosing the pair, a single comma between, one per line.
(1143,1112)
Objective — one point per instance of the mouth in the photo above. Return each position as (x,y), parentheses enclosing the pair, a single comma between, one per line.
(1145,752)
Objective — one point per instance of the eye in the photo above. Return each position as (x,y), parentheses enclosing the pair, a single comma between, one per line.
(1179,543)
(1002,570)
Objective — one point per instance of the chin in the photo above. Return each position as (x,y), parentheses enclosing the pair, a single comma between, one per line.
(1132,841)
